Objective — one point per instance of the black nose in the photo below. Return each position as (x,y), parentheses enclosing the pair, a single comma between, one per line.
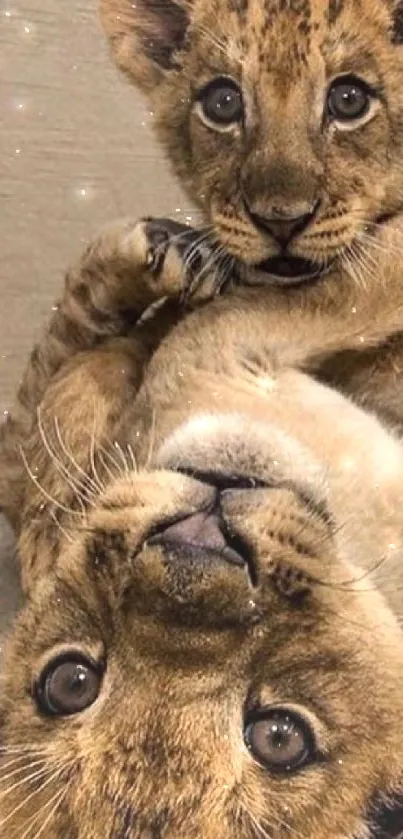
(283,223)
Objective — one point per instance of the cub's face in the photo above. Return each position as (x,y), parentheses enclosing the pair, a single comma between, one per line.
(204,663)
(282,118)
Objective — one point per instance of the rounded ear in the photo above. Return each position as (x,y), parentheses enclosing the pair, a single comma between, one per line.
(145,36)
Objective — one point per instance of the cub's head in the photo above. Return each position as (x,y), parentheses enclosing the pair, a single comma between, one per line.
(283,118)
(204,662)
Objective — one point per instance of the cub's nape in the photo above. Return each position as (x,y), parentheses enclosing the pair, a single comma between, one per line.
(203,661)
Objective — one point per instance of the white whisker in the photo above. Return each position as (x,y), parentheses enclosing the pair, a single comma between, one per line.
(92,455)
(132,458)
(44,492)
(152,440)
(62,529)
(29,797)
(95,488)
(59,465)
(58,798)
(120,451)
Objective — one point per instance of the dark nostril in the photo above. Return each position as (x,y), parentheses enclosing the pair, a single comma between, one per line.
(282,223)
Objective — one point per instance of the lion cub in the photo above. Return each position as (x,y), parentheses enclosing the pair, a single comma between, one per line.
(283,121)
(205,650)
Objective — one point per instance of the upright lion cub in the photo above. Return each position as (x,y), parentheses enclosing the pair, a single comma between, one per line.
(284,122)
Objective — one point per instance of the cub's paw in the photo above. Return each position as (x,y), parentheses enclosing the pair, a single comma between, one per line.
(182,260)
(170,259)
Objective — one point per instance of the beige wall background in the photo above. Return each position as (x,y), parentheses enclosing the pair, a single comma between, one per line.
(76,150)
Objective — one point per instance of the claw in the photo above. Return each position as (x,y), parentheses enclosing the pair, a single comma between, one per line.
(197,256)
(158,238)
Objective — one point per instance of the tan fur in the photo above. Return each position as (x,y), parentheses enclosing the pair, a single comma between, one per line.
(190,647)
(285,54)
(112,418)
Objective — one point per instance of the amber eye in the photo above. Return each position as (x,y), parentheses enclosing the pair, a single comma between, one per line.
(69,684)
(280,739)
(221,103)
(349,98)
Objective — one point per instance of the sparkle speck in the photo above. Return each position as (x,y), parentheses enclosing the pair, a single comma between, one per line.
(178,210)
(7,13)
(83,192)
(55,308)
(18,151)
(392,546)
(6,413)
(354,310)
(27,29)
(267,382)
(362,339)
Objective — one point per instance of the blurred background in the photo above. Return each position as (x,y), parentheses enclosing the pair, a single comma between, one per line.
(76,150)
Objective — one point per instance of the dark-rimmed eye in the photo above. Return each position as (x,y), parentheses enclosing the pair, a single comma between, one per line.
(69,683)
(349,98)
(280,739)
(220,102)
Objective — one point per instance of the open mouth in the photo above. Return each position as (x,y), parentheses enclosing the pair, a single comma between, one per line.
(291,270)
(205,533)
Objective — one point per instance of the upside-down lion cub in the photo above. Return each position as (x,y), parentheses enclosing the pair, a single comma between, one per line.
(283,120)
(205,650)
